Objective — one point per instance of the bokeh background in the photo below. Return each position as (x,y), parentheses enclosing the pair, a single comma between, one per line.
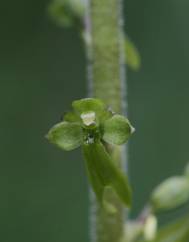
(44,191)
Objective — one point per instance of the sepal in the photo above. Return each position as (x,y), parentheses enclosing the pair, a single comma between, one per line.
(117,130)
(65,135)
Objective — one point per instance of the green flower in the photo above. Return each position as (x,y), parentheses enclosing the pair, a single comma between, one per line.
(90,125)
(66,13)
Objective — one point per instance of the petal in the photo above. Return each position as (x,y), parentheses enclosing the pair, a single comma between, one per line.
(117,130)
(67,136)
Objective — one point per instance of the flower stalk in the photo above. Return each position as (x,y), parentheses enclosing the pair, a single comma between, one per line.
(106,76)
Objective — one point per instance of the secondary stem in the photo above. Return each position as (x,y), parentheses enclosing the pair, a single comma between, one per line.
(107,77)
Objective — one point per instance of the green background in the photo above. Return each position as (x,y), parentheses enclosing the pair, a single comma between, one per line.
(44,191)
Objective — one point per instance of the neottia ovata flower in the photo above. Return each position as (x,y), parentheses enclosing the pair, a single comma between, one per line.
(92,126)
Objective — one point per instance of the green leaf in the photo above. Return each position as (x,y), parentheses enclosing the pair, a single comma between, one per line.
(171,193)
(67,136)
(117,130)
(104,173)
(87,105)
(132,55)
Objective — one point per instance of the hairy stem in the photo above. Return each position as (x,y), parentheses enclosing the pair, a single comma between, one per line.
(106,75)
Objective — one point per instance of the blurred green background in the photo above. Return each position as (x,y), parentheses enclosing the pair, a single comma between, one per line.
(44,191)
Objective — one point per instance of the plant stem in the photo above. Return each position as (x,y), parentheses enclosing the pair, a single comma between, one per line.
(107,77)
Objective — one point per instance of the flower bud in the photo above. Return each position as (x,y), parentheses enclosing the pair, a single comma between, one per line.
(171,193)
